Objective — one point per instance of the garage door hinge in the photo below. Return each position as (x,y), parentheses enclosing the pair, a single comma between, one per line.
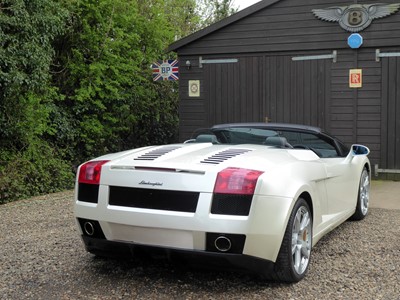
(332,56)
(216,61)
(378,54)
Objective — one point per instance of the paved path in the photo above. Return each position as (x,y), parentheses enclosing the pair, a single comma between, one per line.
(385,194)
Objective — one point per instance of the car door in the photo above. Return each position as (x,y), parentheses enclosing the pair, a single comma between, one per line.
(339,182)
(339,185)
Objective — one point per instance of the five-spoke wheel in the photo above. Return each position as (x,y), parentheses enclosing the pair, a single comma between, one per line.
(295,253)
(301,240)
(363,196)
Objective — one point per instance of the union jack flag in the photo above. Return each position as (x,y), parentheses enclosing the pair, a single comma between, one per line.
(165,70)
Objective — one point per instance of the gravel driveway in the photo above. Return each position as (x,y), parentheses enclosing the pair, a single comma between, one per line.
(42,257)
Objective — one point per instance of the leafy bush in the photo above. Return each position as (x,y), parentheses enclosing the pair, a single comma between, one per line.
(75,83)
(33,171)
(28,164)
(109,101)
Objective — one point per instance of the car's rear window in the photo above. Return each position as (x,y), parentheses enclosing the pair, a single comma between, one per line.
(323,147)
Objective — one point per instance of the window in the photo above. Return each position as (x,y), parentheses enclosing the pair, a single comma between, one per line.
(323,145)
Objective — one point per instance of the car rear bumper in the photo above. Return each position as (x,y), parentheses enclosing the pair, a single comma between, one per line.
(263,228)
(196,258)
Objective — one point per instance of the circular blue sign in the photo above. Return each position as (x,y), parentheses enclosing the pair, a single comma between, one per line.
(355,41)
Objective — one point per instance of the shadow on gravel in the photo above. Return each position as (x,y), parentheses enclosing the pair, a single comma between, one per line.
(177,273)
(200,278)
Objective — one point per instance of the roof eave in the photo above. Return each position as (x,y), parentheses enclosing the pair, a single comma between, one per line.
(220,24)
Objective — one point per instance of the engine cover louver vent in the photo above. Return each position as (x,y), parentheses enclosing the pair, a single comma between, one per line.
(154,154)
(223,156)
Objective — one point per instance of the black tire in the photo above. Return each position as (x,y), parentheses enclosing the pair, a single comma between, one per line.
(286,267)
(362,206)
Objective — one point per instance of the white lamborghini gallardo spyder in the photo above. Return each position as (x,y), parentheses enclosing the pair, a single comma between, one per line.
(255,196)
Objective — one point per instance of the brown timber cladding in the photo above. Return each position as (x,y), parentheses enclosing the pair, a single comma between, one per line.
(266,82)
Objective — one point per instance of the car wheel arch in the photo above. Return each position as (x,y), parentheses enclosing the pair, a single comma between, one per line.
(368,167)
(306,193)
(307,197)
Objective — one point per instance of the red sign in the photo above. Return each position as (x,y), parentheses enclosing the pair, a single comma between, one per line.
(355,78)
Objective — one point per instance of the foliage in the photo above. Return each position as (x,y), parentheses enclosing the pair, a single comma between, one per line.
(212,11)
(34,171)
(106,78)
(76,82)
(27,29)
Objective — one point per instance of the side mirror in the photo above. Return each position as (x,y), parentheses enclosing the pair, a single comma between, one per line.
(189,141)
(359,150)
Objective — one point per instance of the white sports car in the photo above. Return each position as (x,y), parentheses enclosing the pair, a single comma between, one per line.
(255,196)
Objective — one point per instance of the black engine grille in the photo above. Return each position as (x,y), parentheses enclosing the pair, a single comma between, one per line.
(231,204)
(154,199)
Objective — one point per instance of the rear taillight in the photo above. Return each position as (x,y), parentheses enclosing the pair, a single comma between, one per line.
(236,181)
(90,172)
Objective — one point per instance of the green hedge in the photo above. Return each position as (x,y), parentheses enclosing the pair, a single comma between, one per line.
(76,83)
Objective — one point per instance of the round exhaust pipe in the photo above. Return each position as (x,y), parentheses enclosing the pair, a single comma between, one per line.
(88,227)
(223,244)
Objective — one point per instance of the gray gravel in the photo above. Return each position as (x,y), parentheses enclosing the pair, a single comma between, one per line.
(42,257)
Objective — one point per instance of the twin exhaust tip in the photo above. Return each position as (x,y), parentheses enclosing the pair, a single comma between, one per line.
(91,228)
(223,244)
(88,227)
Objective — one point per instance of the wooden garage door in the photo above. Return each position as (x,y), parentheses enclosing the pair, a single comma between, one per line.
(355,113)
(234,91)
(275,88)
(297,91)
(390,121)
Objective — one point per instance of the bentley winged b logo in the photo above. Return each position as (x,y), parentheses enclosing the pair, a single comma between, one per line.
(356,17)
